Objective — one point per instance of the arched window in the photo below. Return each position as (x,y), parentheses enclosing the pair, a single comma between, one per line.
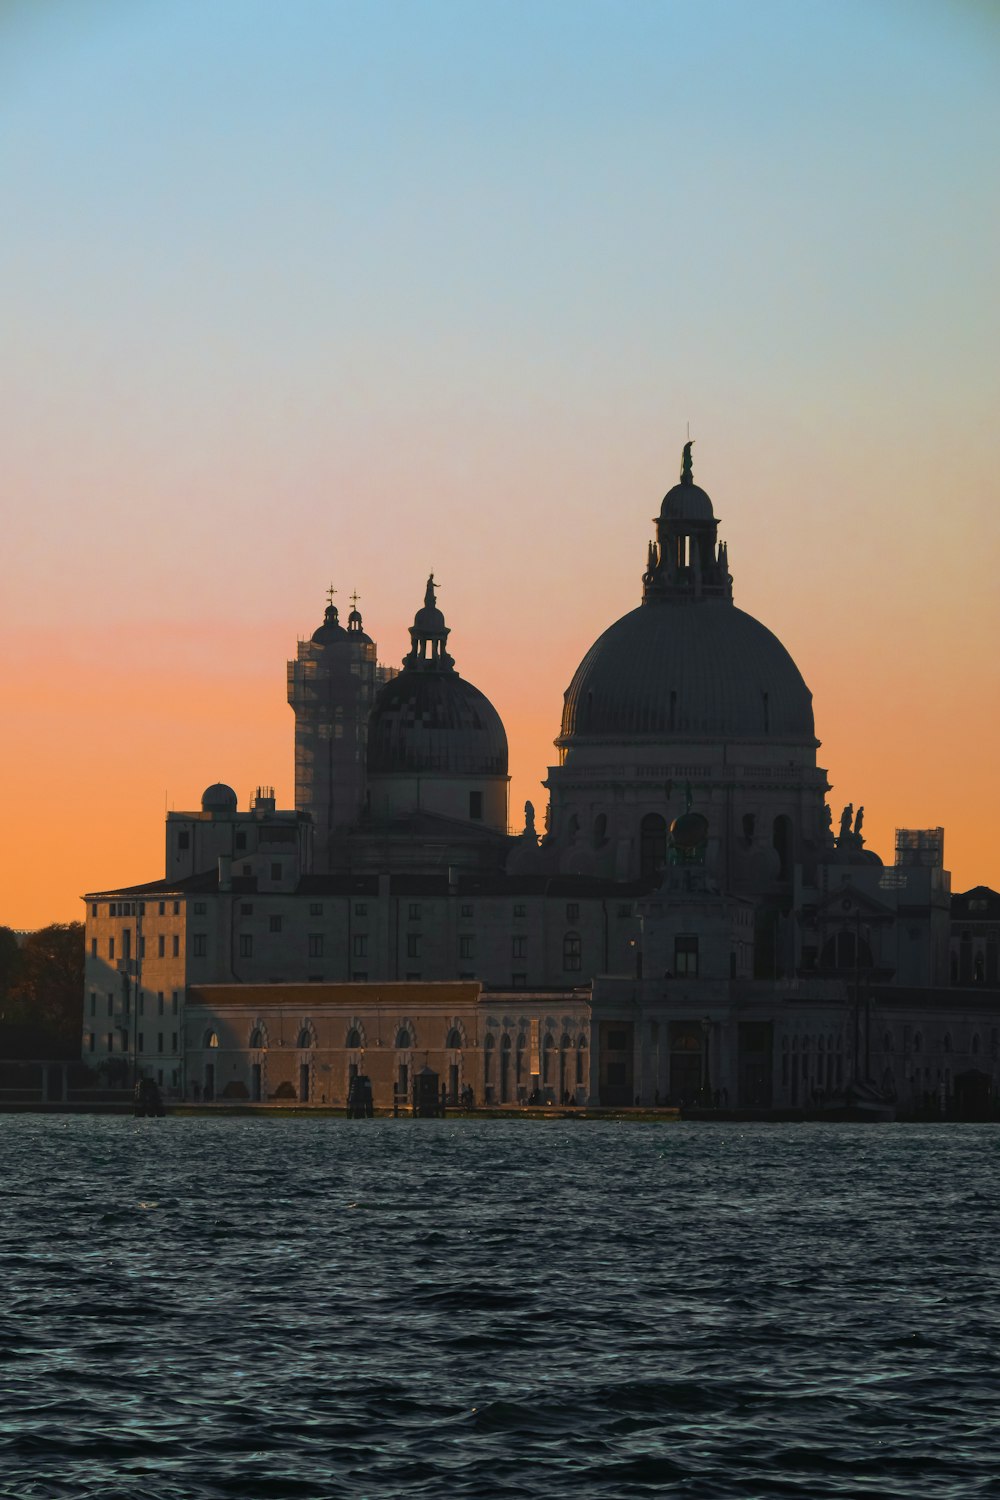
(454,1038)
(572,953)
(652,844)
(257,1037)
(547,1049)
(354,1038)
(782,840)
(305,1037)
(489,1047)
(404,1039)
(211,1038)
(522,1042)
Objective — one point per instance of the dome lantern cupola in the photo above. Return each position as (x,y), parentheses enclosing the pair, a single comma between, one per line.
(687,561)
(331,631)
(429,637)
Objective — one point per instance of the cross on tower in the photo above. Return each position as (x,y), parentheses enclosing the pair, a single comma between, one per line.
(330,593)
(355,600)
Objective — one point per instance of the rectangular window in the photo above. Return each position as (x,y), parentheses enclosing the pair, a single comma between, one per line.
(467,946)
(246,945)
(519,947)
(518,981)
(177,946)
(159,1042)
(520,912)
(274,924)
(360,945)
(177,908)
(174,1002)
(572,953)
(163,908)
(142,945)
(413,945)
(142,908)
(92,1040)
(316,908)
(686,954)
(476,806)
(111,949)
(573,911)
(241,840)
(360,909)
(315,945)
(465,912)
(414,911)
(246,909)
(113,909)
(126,943)
(159,1002)
(93,947)
(184,840)
(617,1041)
(625,910)
(111,1004)
(173,1039)
(93,909)
(161,946)
(140,1040)
(200,908)
(93,1002)
(141,1003)
(275,872)
(199,945)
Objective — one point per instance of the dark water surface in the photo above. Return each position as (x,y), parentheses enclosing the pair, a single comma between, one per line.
(294,1307)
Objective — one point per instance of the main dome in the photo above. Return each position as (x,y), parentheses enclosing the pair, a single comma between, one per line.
(435,721)
(688,669)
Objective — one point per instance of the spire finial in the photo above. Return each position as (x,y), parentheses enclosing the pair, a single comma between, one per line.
(687,475)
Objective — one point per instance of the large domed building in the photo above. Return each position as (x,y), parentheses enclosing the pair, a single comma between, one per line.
(688,693)
(688,925)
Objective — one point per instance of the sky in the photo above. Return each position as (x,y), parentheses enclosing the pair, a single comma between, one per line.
(321,293)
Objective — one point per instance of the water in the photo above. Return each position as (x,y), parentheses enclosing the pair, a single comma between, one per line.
(313,1308)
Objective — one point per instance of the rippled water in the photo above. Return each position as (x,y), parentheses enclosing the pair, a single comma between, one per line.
(294,1307)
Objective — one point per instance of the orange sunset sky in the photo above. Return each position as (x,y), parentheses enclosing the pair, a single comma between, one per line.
(345,293)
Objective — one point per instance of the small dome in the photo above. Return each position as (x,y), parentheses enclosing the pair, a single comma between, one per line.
(331,631)
(435,721)
(429,620)
(218,798)
(686,502)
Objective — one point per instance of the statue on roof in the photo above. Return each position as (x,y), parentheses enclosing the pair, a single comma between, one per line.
(687,472)
(858,820)
(846,818)
(430,602)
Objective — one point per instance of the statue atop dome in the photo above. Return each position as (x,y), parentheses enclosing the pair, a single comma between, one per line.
(687,470)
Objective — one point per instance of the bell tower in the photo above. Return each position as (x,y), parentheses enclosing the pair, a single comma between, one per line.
(331,687)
